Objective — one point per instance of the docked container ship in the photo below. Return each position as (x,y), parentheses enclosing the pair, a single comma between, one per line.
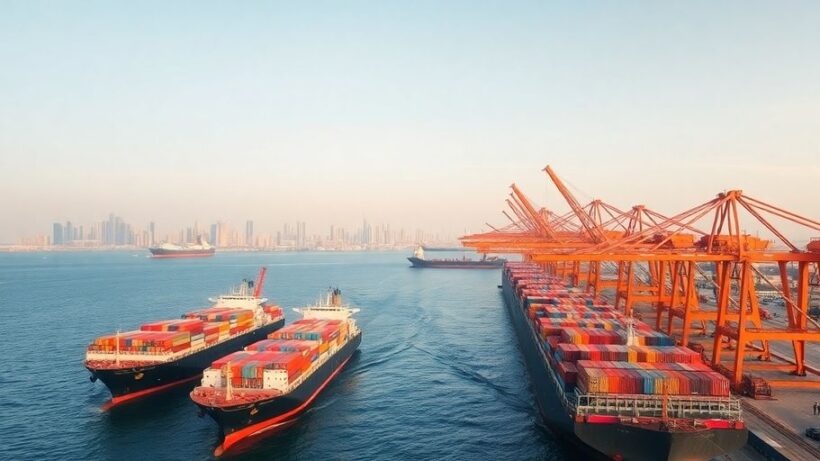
(269,384)
(171,250)
(166,353)
(612,383)
(418,260)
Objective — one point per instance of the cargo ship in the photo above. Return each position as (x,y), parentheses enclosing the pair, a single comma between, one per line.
(418,260)
(269,384)
(168,353)
(171,250)
(612,384)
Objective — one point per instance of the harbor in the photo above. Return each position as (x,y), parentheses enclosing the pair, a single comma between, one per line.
(285,231)
(653,268)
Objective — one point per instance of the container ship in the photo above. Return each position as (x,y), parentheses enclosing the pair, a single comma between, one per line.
(418,260)
(269,384)
(167,353)
(611,383)
(170,250)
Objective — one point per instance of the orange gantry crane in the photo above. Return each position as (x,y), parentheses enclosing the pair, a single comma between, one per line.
(671,253)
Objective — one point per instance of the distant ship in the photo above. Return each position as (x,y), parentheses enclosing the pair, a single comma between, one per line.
(172,250)
(418,260)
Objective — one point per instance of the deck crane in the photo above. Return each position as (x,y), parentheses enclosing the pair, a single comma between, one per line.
(260,280)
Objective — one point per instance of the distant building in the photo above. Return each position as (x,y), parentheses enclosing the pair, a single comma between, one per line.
(68,236)
(301,237)
(57,234)
(249,233)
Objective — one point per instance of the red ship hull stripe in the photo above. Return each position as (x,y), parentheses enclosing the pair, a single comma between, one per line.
(235,437)
(134,395)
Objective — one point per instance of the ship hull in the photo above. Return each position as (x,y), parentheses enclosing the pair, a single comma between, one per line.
(456,264)
(127,384)
(610,440)
(247,420)
(161,253)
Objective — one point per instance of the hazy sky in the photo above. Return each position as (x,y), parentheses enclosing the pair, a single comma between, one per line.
(413,113)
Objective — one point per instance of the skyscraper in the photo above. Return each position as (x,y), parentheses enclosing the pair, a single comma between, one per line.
(249,233)
(367,233)
(151,232)
(57,234)
(111,230)
(302,234)
(119,231)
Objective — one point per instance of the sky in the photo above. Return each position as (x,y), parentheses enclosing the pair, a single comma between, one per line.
(417,114)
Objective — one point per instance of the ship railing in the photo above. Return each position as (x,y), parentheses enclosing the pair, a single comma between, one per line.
(677,406)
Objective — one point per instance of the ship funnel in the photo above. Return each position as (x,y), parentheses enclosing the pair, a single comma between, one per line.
(336,297)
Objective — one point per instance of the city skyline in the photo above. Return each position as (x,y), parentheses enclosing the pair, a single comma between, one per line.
(115,232)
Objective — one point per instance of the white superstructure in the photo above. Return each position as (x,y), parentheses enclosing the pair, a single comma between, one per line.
(329,307)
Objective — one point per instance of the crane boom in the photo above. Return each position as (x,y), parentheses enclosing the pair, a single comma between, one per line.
(590,226)
(260,280)
(535,217)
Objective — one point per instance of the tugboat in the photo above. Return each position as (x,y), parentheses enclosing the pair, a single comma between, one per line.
(168,353)
(269,384)
(418,260)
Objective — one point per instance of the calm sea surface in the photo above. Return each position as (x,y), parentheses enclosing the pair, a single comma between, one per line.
(439,374)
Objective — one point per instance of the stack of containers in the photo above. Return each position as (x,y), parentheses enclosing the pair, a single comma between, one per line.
(213,331)
(623,353)
(144,342)
(309,349)
(603,378)
(293,348)
(551,327)
(236,320)
(193,326)
(584,340)
(247,367)
(327,332)
(575,335)
(569,312)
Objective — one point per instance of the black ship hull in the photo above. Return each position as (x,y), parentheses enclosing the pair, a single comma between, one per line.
(160,253)
(247,420)
(127,384)
(457,263)
(610,440)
